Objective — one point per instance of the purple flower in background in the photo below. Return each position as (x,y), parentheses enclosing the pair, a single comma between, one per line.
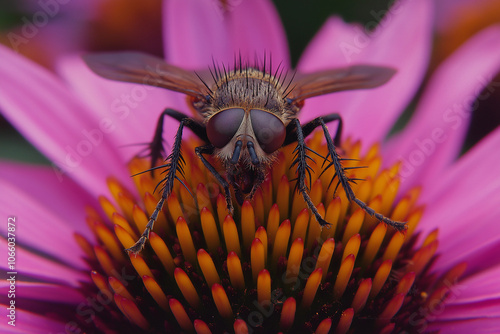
(47,29)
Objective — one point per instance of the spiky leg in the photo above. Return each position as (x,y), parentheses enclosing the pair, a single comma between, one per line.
(156,149)
(238,194)
(173,166)
(335,162)
(344,181)
(209,149)
(300,161)
(310,126)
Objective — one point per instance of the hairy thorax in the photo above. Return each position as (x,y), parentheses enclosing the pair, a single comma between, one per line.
(249,88)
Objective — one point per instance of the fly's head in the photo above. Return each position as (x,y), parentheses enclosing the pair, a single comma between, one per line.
(246,122)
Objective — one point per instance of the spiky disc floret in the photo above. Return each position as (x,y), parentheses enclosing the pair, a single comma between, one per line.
(268,267)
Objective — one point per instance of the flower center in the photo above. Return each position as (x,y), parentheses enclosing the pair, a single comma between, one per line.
(269,267)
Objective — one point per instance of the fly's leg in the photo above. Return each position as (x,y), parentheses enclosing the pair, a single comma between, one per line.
(156,147)
(173,166)
(209,149)
(301,157)
(300,160)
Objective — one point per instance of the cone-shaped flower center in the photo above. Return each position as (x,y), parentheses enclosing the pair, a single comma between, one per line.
(269,267)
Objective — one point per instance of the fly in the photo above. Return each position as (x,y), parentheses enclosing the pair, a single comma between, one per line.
(244,115)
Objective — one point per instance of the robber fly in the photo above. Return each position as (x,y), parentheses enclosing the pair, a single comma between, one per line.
(244,116)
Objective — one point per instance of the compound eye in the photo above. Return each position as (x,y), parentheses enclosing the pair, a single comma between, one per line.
(222,126)
(269,130)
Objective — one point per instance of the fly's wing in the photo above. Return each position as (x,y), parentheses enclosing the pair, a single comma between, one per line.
(329,81)
(141,68)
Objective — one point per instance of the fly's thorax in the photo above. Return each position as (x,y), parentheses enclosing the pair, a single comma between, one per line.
(249,88)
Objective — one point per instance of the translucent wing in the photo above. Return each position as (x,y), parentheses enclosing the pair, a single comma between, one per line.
(145,69)
(329,81)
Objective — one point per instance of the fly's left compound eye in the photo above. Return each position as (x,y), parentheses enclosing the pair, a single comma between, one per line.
(268,129)
(222,127)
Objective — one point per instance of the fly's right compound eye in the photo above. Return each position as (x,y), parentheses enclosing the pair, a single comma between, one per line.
(222,126)
(268,129)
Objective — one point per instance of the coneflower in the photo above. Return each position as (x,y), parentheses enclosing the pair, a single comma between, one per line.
(269,267)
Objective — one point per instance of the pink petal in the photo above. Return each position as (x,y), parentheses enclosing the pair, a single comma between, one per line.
(435,134)
(28,322)
(40,268)
(473,169)
(57,123)
(480,287)
(198,31)
(474,301)
(477,326)
(48,293)
(463,203)
(484,309)
(47,213)
(41,186)
(326,50)
(475,251)
(369,114)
